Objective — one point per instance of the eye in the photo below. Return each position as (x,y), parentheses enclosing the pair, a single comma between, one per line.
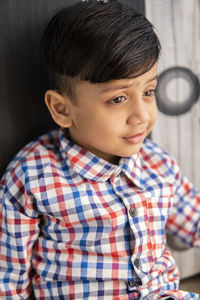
(117,100)
(150,93)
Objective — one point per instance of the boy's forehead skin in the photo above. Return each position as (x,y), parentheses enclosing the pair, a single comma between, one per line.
(120,84)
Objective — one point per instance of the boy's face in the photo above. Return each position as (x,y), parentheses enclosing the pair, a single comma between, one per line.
(112,119)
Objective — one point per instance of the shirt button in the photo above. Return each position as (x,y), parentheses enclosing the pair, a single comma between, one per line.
(137,262)
(133,212)
(131,284)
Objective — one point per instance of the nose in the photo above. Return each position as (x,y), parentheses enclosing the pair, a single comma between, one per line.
(138,113)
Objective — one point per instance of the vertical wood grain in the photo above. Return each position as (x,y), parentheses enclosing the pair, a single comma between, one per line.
(178,26)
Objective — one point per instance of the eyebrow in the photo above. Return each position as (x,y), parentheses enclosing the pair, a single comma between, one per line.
(121,87)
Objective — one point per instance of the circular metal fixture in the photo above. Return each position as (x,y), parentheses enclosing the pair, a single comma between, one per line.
(179,102)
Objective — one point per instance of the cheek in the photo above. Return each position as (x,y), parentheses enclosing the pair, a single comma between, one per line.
(104,126)
(88,124)
(154,113)
(97,121)
(82,119)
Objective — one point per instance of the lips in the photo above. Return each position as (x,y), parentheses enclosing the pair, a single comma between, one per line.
(135,139)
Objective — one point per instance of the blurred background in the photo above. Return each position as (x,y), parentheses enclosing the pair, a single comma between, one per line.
(177,130)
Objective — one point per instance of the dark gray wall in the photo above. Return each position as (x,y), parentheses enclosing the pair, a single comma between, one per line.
(23,80)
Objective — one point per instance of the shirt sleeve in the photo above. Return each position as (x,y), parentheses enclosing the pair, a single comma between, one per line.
(19,229)
(176,295)
(184,221)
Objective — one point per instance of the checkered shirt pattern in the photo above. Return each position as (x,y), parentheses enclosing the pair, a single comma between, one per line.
(74,226)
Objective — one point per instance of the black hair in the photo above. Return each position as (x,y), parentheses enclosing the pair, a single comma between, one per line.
(98,42)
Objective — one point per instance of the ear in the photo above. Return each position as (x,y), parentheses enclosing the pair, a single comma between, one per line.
(58,106)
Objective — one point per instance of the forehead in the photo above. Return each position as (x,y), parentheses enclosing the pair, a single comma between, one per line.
(143,79)
(94,89)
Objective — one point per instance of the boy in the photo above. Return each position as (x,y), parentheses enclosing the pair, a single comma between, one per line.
(84,209)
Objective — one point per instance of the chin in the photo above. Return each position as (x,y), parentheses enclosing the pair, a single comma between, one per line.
(136,149)
(131,153)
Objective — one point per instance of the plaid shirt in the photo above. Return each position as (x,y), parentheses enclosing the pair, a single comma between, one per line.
(74,226)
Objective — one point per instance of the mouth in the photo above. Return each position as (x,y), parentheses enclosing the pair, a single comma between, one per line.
(135,139)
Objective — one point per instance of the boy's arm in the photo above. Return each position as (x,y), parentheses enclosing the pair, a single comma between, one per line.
(184,221)
(19,229)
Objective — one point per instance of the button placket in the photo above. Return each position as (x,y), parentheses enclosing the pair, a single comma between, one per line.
(137,263)
(131,284)
(133,212)
(133,291)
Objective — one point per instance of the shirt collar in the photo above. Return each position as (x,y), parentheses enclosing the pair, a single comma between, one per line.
(94,168)
(132,167)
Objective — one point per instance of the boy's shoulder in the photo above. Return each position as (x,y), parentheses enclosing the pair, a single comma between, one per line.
(36,153)
(159,170)
(151,146)
(29,172)
(155,157)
